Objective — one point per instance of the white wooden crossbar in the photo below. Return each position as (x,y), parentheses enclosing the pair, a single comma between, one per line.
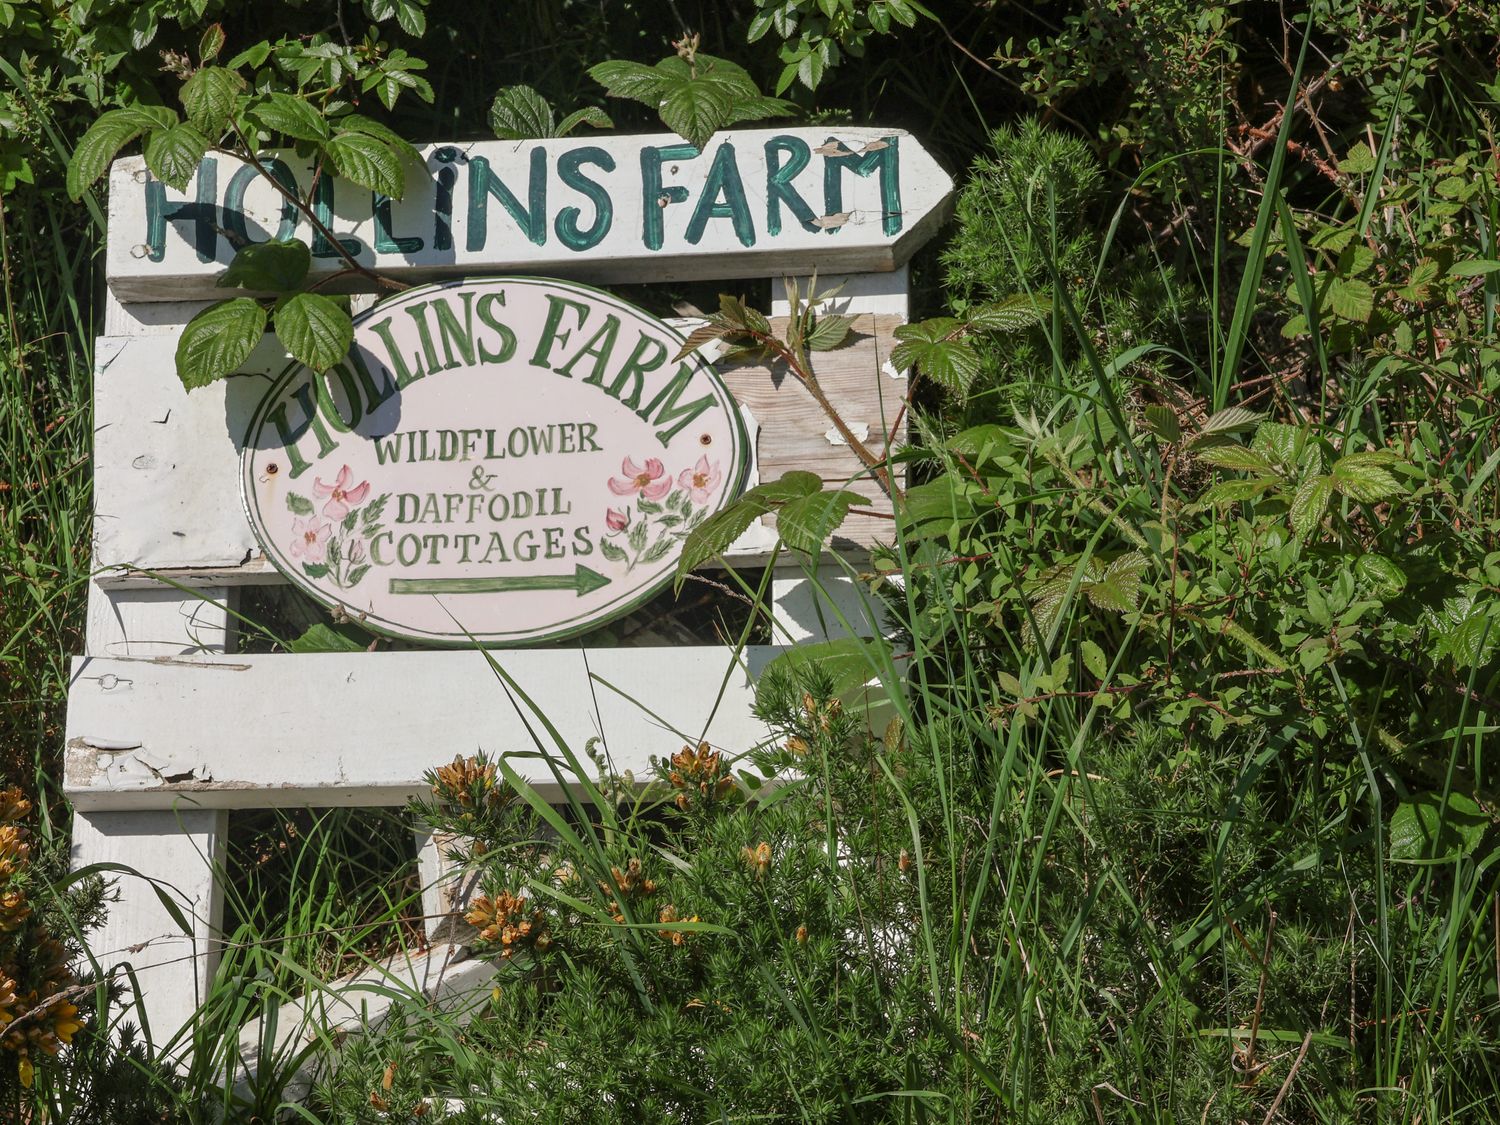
(169,727)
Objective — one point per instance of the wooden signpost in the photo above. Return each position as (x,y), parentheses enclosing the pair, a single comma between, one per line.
(511,459)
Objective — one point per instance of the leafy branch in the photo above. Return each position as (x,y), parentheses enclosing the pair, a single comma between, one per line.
(225,111)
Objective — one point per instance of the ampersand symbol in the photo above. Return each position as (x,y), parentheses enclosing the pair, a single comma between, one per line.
(479,480)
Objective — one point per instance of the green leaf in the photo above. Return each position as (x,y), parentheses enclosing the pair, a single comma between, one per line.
(209,97)
(1234,491)
(298,505)
(1309,503)
(292,117)
(806,522)
(272,266)
(1478,267)
(1120,587)
(713,536)
(1094,659)
(829,331)
(359,123)
(590,115)
(211,43)
(847,663)
(1351,299)
(218,340)
(632,80)
(314,329)
(1238,458)
(332,638)
(1012,314)
(519,113)
(1429,828)
(1363,476)
(368,162)
(173,154)
(695,110)
(1381,575)
(1162,421)
(106,137)
(1359,160)
(934,349)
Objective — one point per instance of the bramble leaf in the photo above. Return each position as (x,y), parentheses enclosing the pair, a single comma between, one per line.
(218,340)
(274,266)
(314,329)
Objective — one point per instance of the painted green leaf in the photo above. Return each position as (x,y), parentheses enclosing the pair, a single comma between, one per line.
(273,266)
(1309,503)
(694,109)
(218,340)
(209,98)
(314,329)
(106,137)
(298,505)
(370,163)
(519,113)
(1429,828)
(292,117)
(806,522)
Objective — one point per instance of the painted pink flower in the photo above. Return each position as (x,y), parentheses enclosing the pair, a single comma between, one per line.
(309,541)
(616,519)
(701,480)
(651,482)
(341,498)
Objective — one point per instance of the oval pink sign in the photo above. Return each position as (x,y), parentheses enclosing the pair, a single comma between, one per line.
(512,460)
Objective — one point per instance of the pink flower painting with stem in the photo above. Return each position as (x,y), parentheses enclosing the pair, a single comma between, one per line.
(342,499)
(617,520)
(309,540)
(701,480)
(650,481)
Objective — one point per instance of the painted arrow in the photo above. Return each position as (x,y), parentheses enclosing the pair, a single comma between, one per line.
(581,581)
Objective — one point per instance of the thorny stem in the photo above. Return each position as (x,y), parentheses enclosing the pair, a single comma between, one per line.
(795,364)
(302,206)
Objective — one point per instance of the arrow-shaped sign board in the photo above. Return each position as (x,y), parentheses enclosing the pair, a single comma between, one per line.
(509,460)
(753,203)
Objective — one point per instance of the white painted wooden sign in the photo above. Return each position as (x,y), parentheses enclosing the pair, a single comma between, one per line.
(755,203)
(503,457)
(508,460)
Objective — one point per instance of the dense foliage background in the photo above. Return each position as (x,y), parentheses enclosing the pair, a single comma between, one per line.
(1185,805)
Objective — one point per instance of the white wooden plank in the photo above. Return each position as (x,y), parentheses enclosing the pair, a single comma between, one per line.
(883,294)
(157,621)
(172,852)
(360,729)
(829,606)
(756,203)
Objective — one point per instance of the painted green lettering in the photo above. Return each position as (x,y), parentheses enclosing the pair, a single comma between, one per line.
(600,344)
(666,408)
(655,197)
(886,161)
(723,180)
(323,209)
(452,335)
(485,308)
(405,376)
(551,333)
(635,367)
(569,172)
(779,177)
(201,213)
(418,313)
(385,241)
(234,201)
(532,219)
